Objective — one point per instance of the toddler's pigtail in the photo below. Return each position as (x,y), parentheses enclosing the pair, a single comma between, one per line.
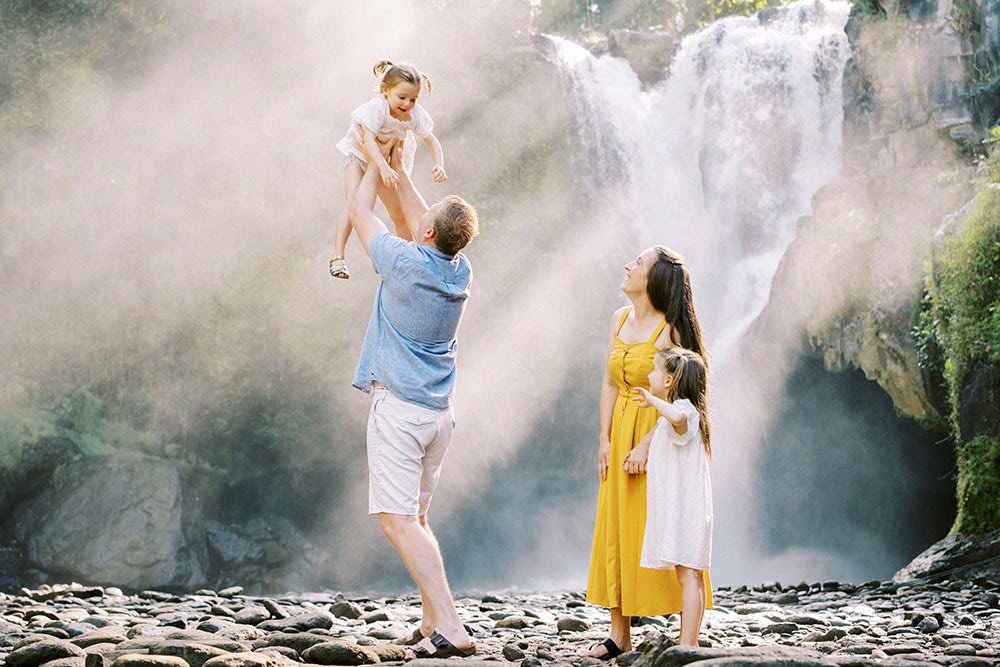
(427,81)
(381,67)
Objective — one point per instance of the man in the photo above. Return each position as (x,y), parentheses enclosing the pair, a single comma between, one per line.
(408,365)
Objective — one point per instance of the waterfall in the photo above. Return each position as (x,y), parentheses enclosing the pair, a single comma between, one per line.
(718,161)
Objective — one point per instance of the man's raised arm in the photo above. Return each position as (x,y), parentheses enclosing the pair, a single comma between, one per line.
(410,201)
(363,218)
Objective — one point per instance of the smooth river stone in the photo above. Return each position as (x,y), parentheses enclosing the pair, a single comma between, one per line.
(143,660)
(340,653)
(193,653)
(43,651)
(247,659)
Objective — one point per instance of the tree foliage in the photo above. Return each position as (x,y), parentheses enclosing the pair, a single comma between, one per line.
(680,16)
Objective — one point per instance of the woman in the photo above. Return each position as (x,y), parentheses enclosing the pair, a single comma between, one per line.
(661,315)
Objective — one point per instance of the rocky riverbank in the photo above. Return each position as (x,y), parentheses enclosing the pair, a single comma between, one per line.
(942,623)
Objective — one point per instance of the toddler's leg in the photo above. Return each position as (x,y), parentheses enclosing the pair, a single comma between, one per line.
(693,601)
(390,198)
(352,179)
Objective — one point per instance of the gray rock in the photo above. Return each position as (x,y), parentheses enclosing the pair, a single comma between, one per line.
(375,617)
(75,661)
(300,622)
(953,551)
(109,634)
(274,608)
(389,652)
(245,659)
(117,519)
(346,609)
(144,660)
(649,53)
(193,653)
(830,635)
(252,615)
(340,653)
(782,628)
(298,641)
(78,629)
(572,624)
(231,592)
(45,650)
(929,625)
(511,652)
(531,662)
(513,622)
(780,656)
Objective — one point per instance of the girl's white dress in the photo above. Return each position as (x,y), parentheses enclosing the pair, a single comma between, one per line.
(678,497)
(374,114)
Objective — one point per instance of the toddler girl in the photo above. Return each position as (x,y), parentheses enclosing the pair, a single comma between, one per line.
(390,116)
(678,489)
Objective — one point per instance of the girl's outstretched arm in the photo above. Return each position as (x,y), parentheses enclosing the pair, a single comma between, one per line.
(675,416)
(437,171)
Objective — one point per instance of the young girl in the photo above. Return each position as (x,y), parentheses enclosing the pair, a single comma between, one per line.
(678,489)
(391,115)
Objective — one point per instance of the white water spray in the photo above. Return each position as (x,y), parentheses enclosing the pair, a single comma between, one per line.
(718,161)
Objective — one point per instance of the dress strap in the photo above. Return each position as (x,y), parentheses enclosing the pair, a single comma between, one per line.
(659,330)
(624,317)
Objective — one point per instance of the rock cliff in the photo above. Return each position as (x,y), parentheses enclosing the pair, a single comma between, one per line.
(853,277)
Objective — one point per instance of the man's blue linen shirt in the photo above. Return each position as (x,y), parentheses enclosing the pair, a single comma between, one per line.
(411,341)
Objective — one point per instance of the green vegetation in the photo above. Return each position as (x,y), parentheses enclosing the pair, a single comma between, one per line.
(584,17)
(959,330)
(979,486)
(48,47)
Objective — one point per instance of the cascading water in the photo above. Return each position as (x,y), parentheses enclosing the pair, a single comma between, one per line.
(724,155)
(718,161)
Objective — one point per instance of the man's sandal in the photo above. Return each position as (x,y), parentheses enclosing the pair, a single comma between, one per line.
(338,268)
(611,647)
(443,648)
(414,637)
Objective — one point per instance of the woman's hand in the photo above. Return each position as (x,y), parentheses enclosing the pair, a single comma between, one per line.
(641,396)
(635,460)
(603,458)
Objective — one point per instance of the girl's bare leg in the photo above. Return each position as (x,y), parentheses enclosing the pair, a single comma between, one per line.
(390,198)
(693,601)
(352,179)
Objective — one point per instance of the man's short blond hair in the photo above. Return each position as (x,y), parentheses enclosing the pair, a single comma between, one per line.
(455,226)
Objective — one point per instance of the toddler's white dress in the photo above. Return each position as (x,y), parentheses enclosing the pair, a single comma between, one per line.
(374,114)
(678,497)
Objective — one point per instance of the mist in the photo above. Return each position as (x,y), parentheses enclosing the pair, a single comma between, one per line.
(165,242)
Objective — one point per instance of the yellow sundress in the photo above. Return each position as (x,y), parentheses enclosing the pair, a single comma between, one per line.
(615,579)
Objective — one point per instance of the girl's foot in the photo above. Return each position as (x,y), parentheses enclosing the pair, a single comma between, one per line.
(338,268)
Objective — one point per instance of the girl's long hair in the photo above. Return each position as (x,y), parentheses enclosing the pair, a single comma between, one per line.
(691,382)
(668,286)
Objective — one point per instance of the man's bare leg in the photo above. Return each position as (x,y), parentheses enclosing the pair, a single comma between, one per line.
(419,550)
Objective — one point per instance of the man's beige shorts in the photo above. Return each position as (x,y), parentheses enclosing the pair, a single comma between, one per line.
(406,446)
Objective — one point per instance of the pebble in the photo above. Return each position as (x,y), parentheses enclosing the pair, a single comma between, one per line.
(831,623)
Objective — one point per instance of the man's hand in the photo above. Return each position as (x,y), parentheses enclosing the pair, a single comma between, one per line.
(438,174)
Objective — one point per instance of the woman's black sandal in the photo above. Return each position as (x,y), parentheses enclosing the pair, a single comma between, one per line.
(611,647)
